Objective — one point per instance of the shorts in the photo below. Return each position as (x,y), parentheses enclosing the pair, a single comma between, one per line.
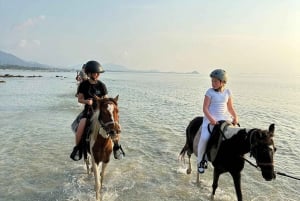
(75,123)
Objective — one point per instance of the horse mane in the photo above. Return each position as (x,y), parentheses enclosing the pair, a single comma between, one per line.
(108,99)
(95,125)
(102,100)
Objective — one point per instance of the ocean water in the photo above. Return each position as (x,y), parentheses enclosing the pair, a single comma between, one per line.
(155,108)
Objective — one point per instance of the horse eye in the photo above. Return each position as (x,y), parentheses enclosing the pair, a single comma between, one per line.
(270,149)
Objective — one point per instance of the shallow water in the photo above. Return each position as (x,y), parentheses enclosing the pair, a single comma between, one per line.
(36,139)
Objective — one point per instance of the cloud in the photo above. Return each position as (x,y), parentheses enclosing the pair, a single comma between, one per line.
(29,23)
(29,43)
(22,43)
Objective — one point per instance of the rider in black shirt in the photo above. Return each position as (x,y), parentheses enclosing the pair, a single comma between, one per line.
(87,91)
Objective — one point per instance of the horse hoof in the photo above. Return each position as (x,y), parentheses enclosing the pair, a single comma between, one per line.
(188,171)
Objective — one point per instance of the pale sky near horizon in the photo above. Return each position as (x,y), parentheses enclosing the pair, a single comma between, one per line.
(169,35)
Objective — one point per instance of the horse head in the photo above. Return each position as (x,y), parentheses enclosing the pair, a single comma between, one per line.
(109,117)
(262,148)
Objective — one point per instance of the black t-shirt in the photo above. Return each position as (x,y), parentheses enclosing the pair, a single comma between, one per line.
(89,90)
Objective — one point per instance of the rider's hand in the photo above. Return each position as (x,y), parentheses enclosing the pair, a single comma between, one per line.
(213,122)
(235,122)
(89,101)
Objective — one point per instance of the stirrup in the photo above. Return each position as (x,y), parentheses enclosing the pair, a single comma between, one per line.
(202,166)
(118,152)
(205,163)
(76,154)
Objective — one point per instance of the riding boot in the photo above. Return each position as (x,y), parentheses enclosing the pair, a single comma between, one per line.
(118,151)
(202,166)
(76,154)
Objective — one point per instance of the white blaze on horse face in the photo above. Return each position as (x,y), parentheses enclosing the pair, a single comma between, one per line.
(110,108)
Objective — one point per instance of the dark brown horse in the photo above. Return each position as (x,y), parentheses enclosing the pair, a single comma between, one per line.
(105,130)
(231,151)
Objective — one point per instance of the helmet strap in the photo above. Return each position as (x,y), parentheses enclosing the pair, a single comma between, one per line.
(220,89)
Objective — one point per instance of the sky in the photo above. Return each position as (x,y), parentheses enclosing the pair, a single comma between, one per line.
(245,36)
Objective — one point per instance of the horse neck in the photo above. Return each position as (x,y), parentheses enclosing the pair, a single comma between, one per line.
(249,140)
(242,141)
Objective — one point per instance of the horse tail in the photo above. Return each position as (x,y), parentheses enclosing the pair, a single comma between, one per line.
(191,132)
(183,152)
(95,125)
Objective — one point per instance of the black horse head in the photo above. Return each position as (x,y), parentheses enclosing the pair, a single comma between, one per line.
(262,148)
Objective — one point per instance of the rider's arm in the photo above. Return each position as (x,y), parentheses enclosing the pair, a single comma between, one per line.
(232,111)
(84,101)
(206,104)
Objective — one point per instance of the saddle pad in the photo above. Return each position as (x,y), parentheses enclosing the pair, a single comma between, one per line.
(228,130)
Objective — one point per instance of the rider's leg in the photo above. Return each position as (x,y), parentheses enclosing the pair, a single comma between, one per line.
(202,148)
(77,151)
(80,130)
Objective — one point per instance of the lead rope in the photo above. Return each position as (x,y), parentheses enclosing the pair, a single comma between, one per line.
(283,174)
(277,172)
(245,159)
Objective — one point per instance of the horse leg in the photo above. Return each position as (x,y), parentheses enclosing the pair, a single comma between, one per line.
(237,184)
(88,164)
(198,178)
(97,178)
(215,182)
(189,169)
(104,165)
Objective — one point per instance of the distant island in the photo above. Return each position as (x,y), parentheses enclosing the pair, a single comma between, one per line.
(10,61)
(16,67)
(109,69)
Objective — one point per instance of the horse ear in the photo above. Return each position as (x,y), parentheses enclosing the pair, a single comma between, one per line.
(116,98)
(272,128)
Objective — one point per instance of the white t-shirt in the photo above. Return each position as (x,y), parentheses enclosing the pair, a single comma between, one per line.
(218,104)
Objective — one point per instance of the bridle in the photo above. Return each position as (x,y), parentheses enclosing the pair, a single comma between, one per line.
(106,126)
(254,146)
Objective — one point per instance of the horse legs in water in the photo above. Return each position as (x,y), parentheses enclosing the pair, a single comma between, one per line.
(98,177)
(236,179)
(215,182)
(189,169)
(104,165)
(88,164)
(237,184)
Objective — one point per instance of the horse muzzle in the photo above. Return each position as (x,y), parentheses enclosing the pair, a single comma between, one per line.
(268,172)
(112,128)
(113,132)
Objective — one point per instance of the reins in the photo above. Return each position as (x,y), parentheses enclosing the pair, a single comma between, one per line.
(251,150)
(105,125)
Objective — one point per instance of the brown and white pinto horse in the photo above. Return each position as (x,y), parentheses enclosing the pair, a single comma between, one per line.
(105,131)
(231,151)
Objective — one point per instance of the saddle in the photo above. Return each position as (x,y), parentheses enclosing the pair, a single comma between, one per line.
(223,131)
